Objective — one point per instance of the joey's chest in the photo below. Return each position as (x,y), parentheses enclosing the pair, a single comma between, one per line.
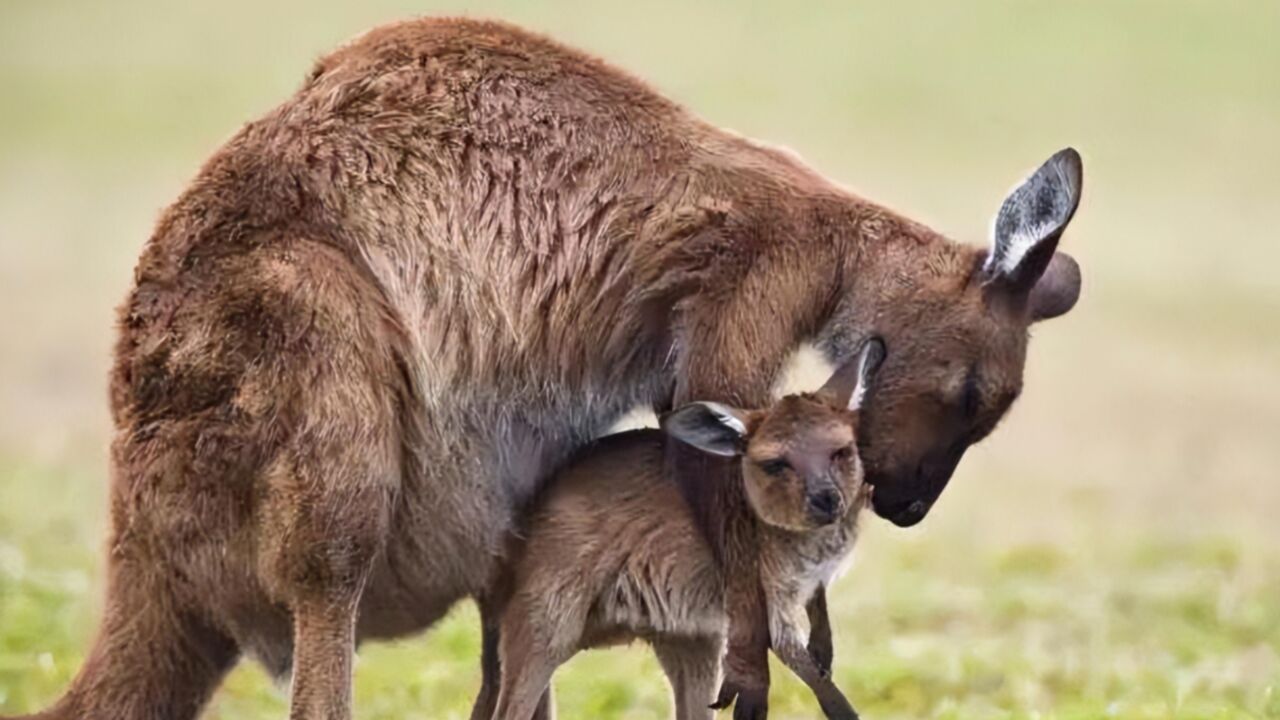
(794,565)
(832,549)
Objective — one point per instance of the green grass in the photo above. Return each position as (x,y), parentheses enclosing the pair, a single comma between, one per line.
(1150,628)
(1111,551)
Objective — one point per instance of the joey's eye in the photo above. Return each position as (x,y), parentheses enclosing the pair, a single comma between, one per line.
(775,467)
(843,453)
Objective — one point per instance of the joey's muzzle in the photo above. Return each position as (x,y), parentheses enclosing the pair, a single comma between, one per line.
(824,506)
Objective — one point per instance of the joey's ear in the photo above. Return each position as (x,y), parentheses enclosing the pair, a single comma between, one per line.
(708,426)
(847,386)
(1030,222)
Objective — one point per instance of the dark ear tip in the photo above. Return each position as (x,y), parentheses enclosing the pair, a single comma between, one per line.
(1071,164)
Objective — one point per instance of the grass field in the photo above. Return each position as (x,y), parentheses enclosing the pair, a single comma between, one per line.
(1111,552)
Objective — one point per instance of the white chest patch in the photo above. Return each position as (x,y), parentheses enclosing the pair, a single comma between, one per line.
(805,370)
(836,566)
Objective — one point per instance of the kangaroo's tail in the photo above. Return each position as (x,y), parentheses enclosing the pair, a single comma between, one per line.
(154,658)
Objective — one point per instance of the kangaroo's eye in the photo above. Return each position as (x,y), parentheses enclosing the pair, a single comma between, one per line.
(775,467)
(843,453)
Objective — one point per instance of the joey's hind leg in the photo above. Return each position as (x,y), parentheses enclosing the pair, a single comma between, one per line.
(526,681)
(533,642)
(692,666)
(491,668)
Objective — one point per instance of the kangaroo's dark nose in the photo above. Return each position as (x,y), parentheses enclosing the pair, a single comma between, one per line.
(914,513)
(824,505)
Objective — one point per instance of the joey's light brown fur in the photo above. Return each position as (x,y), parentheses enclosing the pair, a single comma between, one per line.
(612,553)
(384,312)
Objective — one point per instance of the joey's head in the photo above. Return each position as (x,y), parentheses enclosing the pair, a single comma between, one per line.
(799,456)
(956,320)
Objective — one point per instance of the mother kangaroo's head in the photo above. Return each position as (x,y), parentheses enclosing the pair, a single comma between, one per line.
(955,320)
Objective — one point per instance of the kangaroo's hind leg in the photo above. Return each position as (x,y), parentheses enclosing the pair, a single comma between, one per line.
(330,493)
(329,539)
(331,393)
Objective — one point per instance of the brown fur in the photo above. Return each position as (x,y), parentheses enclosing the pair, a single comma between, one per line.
(381,314)
(613,554)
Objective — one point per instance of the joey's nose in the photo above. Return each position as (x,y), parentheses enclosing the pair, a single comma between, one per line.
(824,506)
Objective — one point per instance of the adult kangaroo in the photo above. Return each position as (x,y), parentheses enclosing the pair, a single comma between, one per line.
(384,312)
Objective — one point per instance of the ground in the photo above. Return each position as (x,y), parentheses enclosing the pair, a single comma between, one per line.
(1110,552)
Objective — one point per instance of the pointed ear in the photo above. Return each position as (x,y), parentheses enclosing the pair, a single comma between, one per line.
(710,427)
(869,361)
(1031,220)
(847,387)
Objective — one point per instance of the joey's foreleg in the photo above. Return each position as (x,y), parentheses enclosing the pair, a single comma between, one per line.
(791,650)
(821,646)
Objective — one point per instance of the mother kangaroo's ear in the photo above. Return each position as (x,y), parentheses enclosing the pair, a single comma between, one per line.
(708,426)
(1025,236)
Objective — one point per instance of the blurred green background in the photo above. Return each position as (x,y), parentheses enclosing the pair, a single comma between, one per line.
(1111,551)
